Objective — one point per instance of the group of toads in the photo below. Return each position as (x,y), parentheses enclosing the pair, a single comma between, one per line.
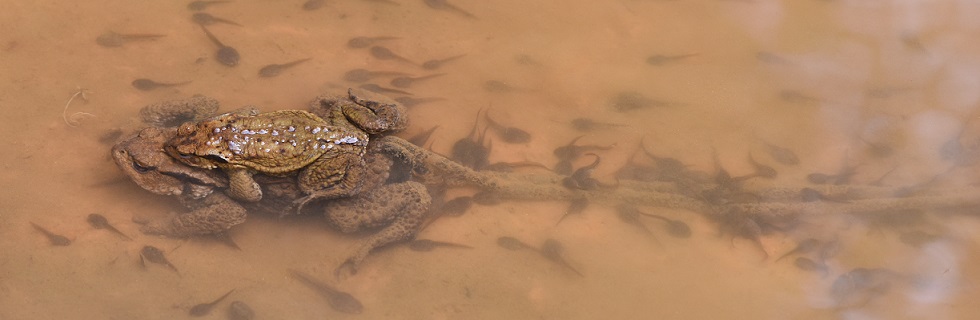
(335,159)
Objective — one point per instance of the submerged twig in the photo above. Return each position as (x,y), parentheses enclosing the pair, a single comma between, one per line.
(73,119)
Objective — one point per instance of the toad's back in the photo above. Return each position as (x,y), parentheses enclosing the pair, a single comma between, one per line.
(274,142)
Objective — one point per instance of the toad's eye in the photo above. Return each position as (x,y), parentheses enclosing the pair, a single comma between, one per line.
(185,155)
(141,168)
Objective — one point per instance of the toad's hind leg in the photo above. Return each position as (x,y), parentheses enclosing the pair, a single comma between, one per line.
(212,215)
(399,208)
(331,176)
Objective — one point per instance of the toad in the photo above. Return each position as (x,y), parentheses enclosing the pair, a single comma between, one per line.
(141,158)
(326,153)
(399,213)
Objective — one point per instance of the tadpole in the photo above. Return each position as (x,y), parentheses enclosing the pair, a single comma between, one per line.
(423,137)
(206,19)
(437,63)
(273,70)
(112,39)
(382,53)
(155,255)
(204,309)
(405,82)
(147,84)
(782,155)
(201,5)
(807,264)
(631,215)
(446,6)
(675,228)
(339,300)
(575,207)
(662,59)
(311,5)
(55,239)
(226,55)
(861,285)
(99,221)
(503,87)
(632,100)
(589,125)
(364,42)
(457,206)
(553,250)
(238,310)
(762,170)
(571,151)
(582,178)
(511,243)
(471,150)
(508,134)
(425,245)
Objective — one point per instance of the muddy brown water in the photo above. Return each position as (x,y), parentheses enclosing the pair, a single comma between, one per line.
(826,79)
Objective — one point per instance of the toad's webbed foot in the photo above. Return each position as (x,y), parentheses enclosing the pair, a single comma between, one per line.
(331,178)
(371,112)
(215,214)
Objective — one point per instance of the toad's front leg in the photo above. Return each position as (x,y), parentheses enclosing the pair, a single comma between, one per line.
(242,186)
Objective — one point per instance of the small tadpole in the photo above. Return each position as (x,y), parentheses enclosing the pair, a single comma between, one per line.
(662,59)
(511,243)
(147,84)
(508,134)
(554,251)
(274,69)
(437,63)
(339,300)
(426,245)
(589,125)
(405,82)
(155,255)
(382,53)
(206,19)
(99,221)
(204,309)
(364,42)
(311,5)
(238,310)
(446,6)
(201,5)
(55,239)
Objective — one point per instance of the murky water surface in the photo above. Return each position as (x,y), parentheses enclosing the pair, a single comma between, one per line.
(879,95)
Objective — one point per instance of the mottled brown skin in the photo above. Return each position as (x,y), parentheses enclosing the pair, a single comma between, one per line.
(142,159)
(397,208)
(327,158)
(327,153)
